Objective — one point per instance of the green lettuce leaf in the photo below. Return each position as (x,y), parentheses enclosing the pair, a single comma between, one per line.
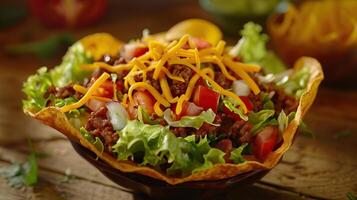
(155,145)
(191,121)
(144,117)
(261,119)
(35,88)
(214,156)
(283,121)
(296,84)
(69,70)
(236,154)
(252,49)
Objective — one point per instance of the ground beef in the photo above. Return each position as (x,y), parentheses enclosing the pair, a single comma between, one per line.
(179,131)
(222,80)
(177,87)
(256,101)
(65,92)
(281,100)
(99,125)
(241,132)
(149,79)
(226,146)
(284,102)
(61,93)
(206,128)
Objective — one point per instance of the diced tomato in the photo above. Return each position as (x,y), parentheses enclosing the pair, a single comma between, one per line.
(94,104)
(206,98)
(64,13)
(140,51)
(143,99)
(201,44)
(189,109)
(265,142)
(235,116)
(106,89)
(247,102)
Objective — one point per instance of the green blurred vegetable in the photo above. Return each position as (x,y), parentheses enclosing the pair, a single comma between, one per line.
(22,174)
(46,48)
(252,49)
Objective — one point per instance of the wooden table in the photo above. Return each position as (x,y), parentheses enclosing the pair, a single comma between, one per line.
(323,167)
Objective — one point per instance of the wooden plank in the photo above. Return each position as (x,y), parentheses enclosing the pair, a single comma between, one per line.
(61,156)
(299,172)
(50,187)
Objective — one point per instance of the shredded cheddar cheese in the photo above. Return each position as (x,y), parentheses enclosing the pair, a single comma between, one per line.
(157,109)
(157,61)
(166,90)
(87,95)
(237,68)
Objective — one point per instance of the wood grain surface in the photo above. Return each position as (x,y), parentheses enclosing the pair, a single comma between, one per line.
(320,167)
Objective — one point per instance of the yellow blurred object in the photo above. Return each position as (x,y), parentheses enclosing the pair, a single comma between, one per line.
(197,28)
(318,25)
(101,43)
(325,30)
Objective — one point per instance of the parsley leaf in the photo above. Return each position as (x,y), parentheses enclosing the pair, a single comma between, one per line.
(21,174)
(351,196)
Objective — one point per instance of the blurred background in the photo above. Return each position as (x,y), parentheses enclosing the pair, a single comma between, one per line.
(325,29)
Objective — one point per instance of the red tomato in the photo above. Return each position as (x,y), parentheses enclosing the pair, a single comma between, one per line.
(140,51)
(106,89)
(189,109)
(206,98)
(143,99)
(200,44)
(247,102)
(265,142)
(67,13)
(94,104)
(235,116)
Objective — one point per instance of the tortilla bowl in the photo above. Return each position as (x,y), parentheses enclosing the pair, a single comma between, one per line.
(157,189)
(55,118)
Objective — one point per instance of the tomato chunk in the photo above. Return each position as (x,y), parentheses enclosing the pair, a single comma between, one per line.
(140,51)
(189,109)
(265,142)
(206,98)
(106,89)
(94,104)
(143,99)
(247,102)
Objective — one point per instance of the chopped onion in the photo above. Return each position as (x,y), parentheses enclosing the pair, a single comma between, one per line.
(117,115)
(240,88)
(128,50)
